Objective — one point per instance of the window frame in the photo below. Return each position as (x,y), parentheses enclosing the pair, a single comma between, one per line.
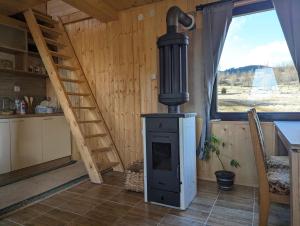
(242,116)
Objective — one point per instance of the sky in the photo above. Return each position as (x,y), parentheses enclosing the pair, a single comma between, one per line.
(255,39)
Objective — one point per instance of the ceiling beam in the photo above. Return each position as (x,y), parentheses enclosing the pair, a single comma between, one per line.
(98,9)
(74,17)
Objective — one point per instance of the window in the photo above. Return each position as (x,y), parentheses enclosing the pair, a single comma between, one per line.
(256,70)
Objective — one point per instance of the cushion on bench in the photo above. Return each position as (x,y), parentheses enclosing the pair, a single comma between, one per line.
(279,181)
(281,162)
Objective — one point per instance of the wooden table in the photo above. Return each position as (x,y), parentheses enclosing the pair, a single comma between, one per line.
(289,135)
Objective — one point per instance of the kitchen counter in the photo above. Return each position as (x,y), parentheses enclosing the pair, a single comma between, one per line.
(30,115)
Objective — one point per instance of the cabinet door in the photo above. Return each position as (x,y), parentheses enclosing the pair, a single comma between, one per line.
(26,142)
(56,138)
(4,147)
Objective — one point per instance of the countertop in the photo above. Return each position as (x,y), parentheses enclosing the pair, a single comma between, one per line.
(30,115)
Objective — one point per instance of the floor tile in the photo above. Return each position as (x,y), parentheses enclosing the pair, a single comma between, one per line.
(24,215)
(128,198)
(148,212)
(171,220)
(110,204)
(235,202)
(62,216)
(84,221)
(229,217)
(134,219)
(78,205)
(196,211)
(102,192)
(207,186)
(8,223)
(109,208)
(205,198)
(45,220)
(240,191)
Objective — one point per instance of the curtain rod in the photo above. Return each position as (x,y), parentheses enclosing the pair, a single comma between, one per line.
(236,3)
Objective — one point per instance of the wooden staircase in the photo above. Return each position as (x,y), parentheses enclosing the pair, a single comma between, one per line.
(81,110)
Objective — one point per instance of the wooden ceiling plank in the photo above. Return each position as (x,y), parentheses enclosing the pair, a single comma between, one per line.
(120,4)
(98,9)
(10,7)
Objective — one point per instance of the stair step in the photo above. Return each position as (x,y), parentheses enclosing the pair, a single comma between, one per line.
(77,94)
(51,31)
(107,166)
(54,42)
(89,121)
(44,18)
(60,55)
(95,135)
(87,107)
(72,80)
(101,150)
(48,35)
(70,68)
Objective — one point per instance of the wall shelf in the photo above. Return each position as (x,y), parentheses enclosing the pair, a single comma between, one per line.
(22,73)
(11,50)
(19,44)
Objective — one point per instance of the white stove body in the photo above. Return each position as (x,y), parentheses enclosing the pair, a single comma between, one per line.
(187,161)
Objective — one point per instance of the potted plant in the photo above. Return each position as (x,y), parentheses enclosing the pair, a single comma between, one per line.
(225,178)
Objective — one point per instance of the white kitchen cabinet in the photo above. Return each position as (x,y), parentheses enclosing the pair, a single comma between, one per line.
(5,166)
(56,138)
(26,142)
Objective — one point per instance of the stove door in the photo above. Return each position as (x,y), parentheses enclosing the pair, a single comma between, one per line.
(163,161)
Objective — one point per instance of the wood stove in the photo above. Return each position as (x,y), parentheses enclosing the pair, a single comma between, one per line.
(169,138)
(170,158)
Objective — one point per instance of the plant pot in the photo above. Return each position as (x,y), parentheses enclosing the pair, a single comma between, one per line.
(225,179)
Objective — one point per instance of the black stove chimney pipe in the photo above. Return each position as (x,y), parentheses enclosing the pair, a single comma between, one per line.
(174,16)
(173,60)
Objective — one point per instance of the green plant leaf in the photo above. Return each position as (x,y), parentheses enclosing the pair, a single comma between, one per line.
(235,163)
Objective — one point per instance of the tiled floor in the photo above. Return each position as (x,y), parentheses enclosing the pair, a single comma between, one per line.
(110,204)
(24,189)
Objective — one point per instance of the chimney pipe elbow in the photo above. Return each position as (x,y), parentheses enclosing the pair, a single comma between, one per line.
(175,15)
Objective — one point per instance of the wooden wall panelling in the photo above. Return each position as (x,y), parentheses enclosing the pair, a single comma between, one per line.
(237,140)
(124,78)
(137,91)
(120,60)
(126,70)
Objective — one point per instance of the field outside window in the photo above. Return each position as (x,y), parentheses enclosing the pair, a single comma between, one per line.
(256,68)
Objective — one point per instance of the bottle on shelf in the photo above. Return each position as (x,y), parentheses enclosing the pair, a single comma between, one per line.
(23,108)
(18,105)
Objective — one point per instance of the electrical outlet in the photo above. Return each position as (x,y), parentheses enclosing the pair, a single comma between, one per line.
(17,89)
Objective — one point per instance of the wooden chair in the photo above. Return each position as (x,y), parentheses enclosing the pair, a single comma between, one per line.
(273,181)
